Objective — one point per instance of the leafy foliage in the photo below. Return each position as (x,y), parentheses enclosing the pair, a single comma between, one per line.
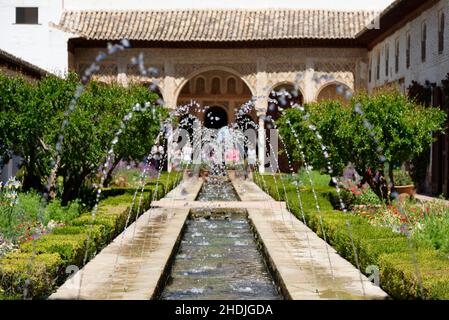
(30,124)
(396,257)
(42,262)
(391,127)
(402,177)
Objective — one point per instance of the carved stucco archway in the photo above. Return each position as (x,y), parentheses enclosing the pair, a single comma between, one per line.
(274,147)
(214,91)
(334,84)
(287,83)
(182,81)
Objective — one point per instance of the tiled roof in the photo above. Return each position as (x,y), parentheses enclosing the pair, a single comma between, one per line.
(392,18)
(215,24)
(16,62)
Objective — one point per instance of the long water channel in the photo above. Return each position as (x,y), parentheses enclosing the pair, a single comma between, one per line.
(218,257)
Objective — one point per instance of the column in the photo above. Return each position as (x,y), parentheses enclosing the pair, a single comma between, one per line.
(261,105)
(309,84)
(169,97)
(197,142)
(122,69)
(261,143)
(169,137)
(169,85)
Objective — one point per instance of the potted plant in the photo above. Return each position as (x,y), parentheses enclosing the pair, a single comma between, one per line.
(403,183)
(204,170)
(188,171)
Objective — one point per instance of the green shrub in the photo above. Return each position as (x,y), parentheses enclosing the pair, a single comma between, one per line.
(56,212)
(42,271)
(435,232)
(400,276)
(67,245)
(113,192)
(71,248)
(401,178)
(31,113)
(99,235)
(32,212)
(386,120)
(108,222)
(379,246)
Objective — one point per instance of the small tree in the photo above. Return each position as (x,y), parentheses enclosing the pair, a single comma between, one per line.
(92,127)
(391,127)
(139,135)
(30,124)
(29,112)
(327,118)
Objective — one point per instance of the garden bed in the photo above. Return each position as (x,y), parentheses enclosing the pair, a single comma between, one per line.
(39,266)
(408,269)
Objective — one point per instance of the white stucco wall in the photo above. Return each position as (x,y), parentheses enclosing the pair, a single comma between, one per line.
(39,44)
(436,66)
(170,4)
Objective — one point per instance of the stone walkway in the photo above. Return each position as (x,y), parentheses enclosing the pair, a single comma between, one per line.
(130,268)
(306,266)
(424,198)
(166,203)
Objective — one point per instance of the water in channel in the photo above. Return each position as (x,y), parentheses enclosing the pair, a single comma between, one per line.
(218,257)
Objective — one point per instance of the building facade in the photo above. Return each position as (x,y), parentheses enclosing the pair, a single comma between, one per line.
(224,58)
(415,50)
(411,53)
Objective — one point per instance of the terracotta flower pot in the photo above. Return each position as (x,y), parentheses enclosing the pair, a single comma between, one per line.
(409,189)
(204,173)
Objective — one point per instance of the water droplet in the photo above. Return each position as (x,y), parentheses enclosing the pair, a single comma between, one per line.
(125,43)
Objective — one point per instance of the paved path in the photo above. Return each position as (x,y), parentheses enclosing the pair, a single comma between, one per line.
(424,198)
(167,203)
(132,265)
(307,267)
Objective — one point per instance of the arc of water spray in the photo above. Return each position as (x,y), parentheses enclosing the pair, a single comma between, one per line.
(297,189)
(88,73)
(172,114)
(246,108)
(334,179)
(154,195)
(139,61)
(137,108)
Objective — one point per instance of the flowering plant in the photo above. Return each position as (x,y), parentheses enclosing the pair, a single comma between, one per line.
(30,230)
(402,178)
(357,194)
(9,192)
(403,217)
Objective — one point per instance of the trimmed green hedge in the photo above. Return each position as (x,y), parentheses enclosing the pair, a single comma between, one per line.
(391,252)
(44,260)
(42,271)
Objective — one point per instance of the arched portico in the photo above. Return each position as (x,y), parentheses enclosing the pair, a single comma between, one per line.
(283,96)
(214,88)
(334,90)
(215,117)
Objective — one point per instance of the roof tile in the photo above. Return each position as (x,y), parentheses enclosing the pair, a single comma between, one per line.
(215,25)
